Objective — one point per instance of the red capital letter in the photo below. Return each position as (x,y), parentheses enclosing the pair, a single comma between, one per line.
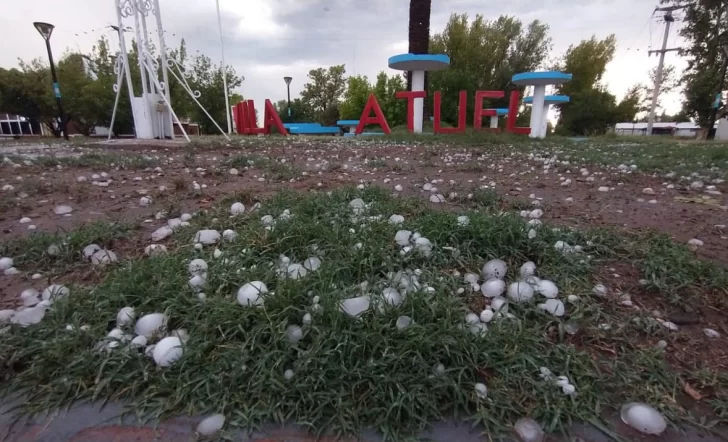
(410,96)
(480,112)
(513,114)
(462,114)
(252,121)
(378,118)
(272,119)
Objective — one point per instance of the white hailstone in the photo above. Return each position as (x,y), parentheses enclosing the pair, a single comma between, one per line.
(167,351)
(424,246)
(6,263)
(670,326)
(527,269)
(472,318)
(572,299)
(125,316)
(32,227)
(648,191)
(307,319)
(498,303)
(439,369)
(28,316)
(316,299)
(185,217)
(493,287)
(547,289)
(150,325)
(116,333)
(161,233)
(139,342)
(288,374)
(427,187)
(486,315)
(211,424)
(25,220)
(294,334)
(403,322)
(437,198)
(267,220)
(233,171)
(392,296)
(478,329)
(472,278)
(149,351)
(600,290)
(528,430)
(535,214)
(197,267)
(198,246)
(207,237)
(11,271)
(561,381)
(603,189)
(52,292)
(661,344)
(532,234)
(520,291)
(402,237)
(217,253)
(174,223)
(357,205)
(296,271)
(63,210)
(463,220)
(535,223)
(481,390)
(553,306)
(90,249)
(237,209)
(229,235)
(145,201)
(103,257)
(568,389)
(709,332)
(155,250)
(355,306)
(36,276)
(30,297)
(643,418)
(251,294)
(6,315)
(494,268)
(396,219)
(312,264)
(695,242)
(201,296)
(398,188)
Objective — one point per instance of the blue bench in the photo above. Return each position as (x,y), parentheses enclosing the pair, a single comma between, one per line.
(311,129)
(350,124)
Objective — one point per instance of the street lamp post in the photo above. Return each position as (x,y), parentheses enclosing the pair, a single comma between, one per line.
(288,86)
(45,30)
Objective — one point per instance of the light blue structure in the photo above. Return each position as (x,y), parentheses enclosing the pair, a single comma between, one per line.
(499,112)
(418,64)
(539,81)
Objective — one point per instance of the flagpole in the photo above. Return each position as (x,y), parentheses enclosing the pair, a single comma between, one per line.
(224,69)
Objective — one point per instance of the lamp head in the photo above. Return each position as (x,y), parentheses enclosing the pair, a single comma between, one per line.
(45,29)
(288,80)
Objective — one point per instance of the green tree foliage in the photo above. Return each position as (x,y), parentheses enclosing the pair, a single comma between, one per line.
(355,97)
(301,112)
(705,30)
(27,91)
(484,55)
(592,110)
(324,91)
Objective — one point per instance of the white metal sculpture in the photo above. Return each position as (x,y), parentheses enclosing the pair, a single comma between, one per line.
(153,113)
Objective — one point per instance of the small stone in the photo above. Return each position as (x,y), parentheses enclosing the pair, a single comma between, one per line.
(648,191)
(63,210)
(603,189)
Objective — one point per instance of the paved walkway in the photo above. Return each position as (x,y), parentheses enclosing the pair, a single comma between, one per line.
(87,423)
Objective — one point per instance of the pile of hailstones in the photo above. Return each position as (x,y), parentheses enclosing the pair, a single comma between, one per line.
(35,305)
(520,291)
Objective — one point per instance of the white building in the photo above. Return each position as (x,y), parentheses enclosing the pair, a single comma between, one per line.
(722,132)
(682,130)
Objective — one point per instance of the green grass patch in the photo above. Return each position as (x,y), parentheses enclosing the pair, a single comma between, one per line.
(352,374)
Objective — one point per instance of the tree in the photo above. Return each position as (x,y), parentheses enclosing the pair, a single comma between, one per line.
(631,104)
(706,33)
(323,92)
(300,110)
(484,55)
(355,97)
(592,110)
(26,91)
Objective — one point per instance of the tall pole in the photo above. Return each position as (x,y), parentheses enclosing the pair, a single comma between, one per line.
(57,91)
(658,78)
(223,68)
(288,87)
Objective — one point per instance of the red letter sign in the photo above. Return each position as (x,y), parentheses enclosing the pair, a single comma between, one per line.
(272,118)
(480,112)
(378,118)
(410,96)
(462,114)
(513,114)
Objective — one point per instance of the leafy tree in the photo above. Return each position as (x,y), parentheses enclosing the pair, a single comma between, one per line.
(591,112)
(706,33)
(323,92)
(300,110)
(355,97)
(27,91)
(484,55)
(631,104)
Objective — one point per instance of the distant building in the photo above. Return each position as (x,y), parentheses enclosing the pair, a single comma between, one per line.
(681,130)
(722,132)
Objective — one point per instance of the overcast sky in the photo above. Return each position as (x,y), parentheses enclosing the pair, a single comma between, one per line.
(266,40)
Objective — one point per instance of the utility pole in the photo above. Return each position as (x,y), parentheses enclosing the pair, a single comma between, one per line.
(669,19)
